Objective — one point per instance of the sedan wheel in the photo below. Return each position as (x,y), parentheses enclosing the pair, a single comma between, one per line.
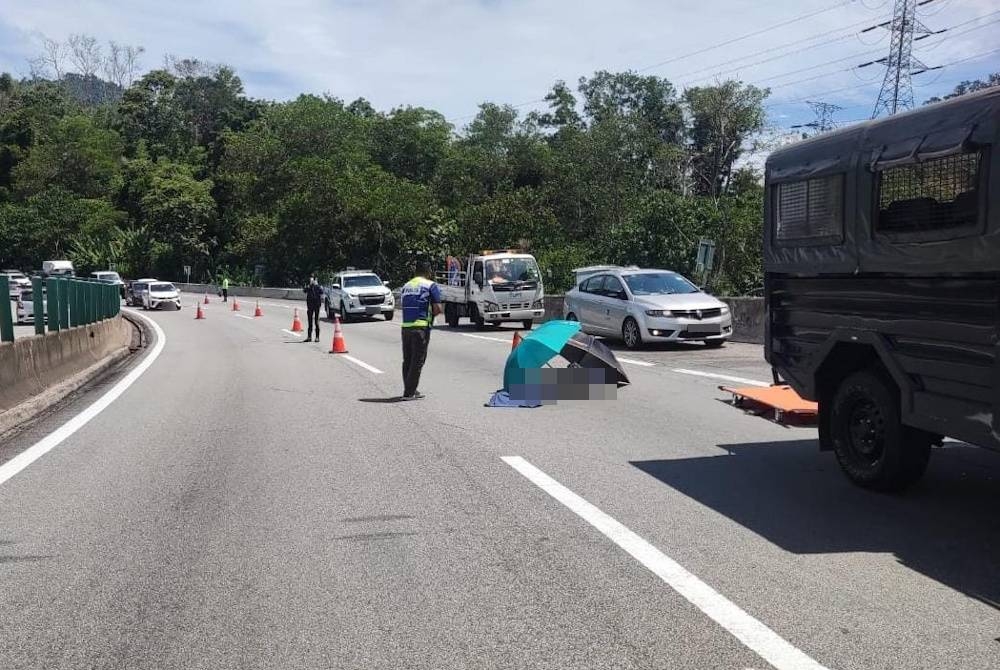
(631,334)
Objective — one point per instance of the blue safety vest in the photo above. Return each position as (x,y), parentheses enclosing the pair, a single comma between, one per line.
(417,296)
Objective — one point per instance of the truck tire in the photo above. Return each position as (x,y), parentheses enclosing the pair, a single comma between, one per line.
(527,324)
(329,311)
(388,315)
(476,317)
(343,312)
(451,315)
(874,449)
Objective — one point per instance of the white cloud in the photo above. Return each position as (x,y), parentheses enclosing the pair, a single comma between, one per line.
(451,55)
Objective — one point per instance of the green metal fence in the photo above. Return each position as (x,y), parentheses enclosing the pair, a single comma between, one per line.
(66,303)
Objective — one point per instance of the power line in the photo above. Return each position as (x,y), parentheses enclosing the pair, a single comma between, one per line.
(767,29)
(824,112)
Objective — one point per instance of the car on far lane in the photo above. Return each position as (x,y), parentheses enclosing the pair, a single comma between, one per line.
(17,280)
(161,294)
(135,290)
(638,306)
(25,307)
(109,277)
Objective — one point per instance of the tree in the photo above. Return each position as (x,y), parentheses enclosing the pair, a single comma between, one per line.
(76,155)
(968,86)
(724,117)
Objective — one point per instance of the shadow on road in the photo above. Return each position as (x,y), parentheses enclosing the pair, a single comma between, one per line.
(947,527)
(397,398)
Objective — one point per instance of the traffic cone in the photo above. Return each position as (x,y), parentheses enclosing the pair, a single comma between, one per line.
(296,324)
(516,341)
(338,346)
(257,311)
(236,305)
(206,297)
(198,314)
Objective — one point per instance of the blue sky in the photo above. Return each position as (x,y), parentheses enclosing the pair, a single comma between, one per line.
(451,55)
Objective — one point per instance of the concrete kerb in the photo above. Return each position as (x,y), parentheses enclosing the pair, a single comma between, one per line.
(38,372)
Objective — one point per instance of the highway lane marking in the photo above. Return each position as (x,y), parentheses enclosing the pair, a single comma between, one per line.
(243,316)
(56,437)
(370,368)
(285,330)
(725,378)
(752,633)
(484,337)
(632,361)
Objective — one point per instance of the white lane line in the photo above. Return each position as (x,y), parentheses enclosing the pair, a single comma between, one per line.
(370,368)
(765,642)
(53,439)
(485,337)
(293,334)
(632,361)
(243,316)
(725,378)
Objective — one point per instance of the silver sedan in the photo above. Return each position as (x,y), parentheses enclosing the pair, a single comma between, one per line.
(638,306)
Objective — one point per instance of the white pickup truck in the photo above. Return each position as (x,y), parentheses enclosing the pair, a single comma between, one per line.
(358,293)
(491,288)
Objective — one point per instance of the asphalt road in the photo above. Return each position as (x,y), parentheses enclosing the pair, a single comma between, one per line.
(239,506)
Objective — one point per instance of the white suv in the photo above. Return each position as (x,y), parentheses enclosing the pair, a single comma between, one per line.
(160,294)
(359,293)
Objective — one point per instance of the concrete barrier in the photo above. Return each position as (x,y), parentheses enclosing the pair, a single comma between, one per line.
(748,316)
(37,371)
(245,291)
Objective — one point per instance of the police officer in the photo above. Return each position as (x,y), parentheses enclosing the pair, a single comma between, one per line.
(314,298)
(421,300)
(225,288)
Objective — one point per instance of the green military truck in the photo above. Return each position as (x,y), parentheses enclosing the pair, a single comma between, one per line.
(882,284)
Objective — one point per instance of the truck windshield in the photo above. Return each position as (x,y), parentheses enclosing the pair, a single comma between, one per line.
(362,281)
(658,283)
(511,270)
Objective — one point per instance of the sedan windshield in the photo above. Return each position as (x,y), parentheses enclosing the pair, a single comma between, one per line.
(658,283)
(162,288)
(362,281)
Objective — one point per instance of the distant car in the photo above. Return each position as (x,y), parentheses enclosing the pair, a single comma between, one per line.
(109,277)
(161,294)
(17,281)
(25,307)
(359,293)
(638,306)
(135,290)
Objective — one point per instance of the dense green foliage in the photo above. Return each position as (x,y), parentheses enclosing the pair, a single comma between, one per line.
(181,168)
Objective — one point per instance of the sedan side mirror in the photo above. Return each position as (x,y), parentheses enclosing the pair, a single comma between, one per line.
(386,284)
(622,295)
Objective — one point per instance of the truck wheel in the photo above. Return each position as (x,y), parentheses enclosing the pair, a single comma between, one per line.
(476,317)
(527,324)
(874,449)
(571,317)
(451,315)
(388,315)
(329,311)
(343,313)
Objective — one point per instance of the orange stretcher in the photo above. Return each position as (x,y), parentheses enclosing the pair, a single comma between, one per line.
(780,403)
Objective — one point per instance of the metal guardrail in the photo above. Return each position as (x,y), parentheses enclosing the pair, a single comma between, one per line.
(67,303)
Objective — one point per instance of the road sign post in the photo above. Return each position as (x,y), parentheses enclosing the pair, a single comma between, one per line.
(705,259)
(187,273)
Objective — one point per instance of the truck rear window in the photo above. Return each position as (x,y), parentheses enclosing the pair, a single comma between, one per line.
(810,211)
(937,194)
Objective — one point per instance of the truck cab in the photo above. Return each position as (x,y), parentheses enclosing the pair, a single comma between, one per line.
(492,287)
(358,293)
(881,277)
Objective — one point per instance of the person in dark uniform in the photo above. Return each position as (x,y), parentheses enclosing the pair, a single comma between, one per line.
(314,298)
(421,299)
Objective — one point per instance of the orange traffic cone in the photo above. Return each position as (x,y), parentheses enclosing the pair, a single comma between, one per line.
(338,346)
(206,297)
(257,311)
(198,314)
(516,341)
(296,324)
(236,305)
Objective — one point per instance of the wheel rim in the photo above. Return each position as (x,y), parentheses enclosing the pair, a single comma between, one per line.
(571,317)
(631,333)
(866,431)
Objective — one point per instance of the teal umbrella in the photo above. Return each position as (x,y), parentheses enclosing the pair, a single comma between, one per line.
(537,348)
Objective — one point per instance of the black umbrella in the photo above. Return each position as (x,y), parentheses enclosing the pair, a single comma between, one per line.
(587,351)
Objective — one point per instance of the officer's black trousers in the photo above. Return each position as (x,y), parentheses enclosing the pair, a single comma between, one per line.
(312,316)
(415,341)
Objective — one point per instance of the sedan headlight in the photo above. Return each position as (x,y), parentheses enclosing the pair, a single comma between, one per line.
(657,312)
(725,309)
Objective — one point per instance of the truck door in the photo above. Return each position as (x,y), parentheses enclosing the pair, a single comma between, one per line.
(474,286)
